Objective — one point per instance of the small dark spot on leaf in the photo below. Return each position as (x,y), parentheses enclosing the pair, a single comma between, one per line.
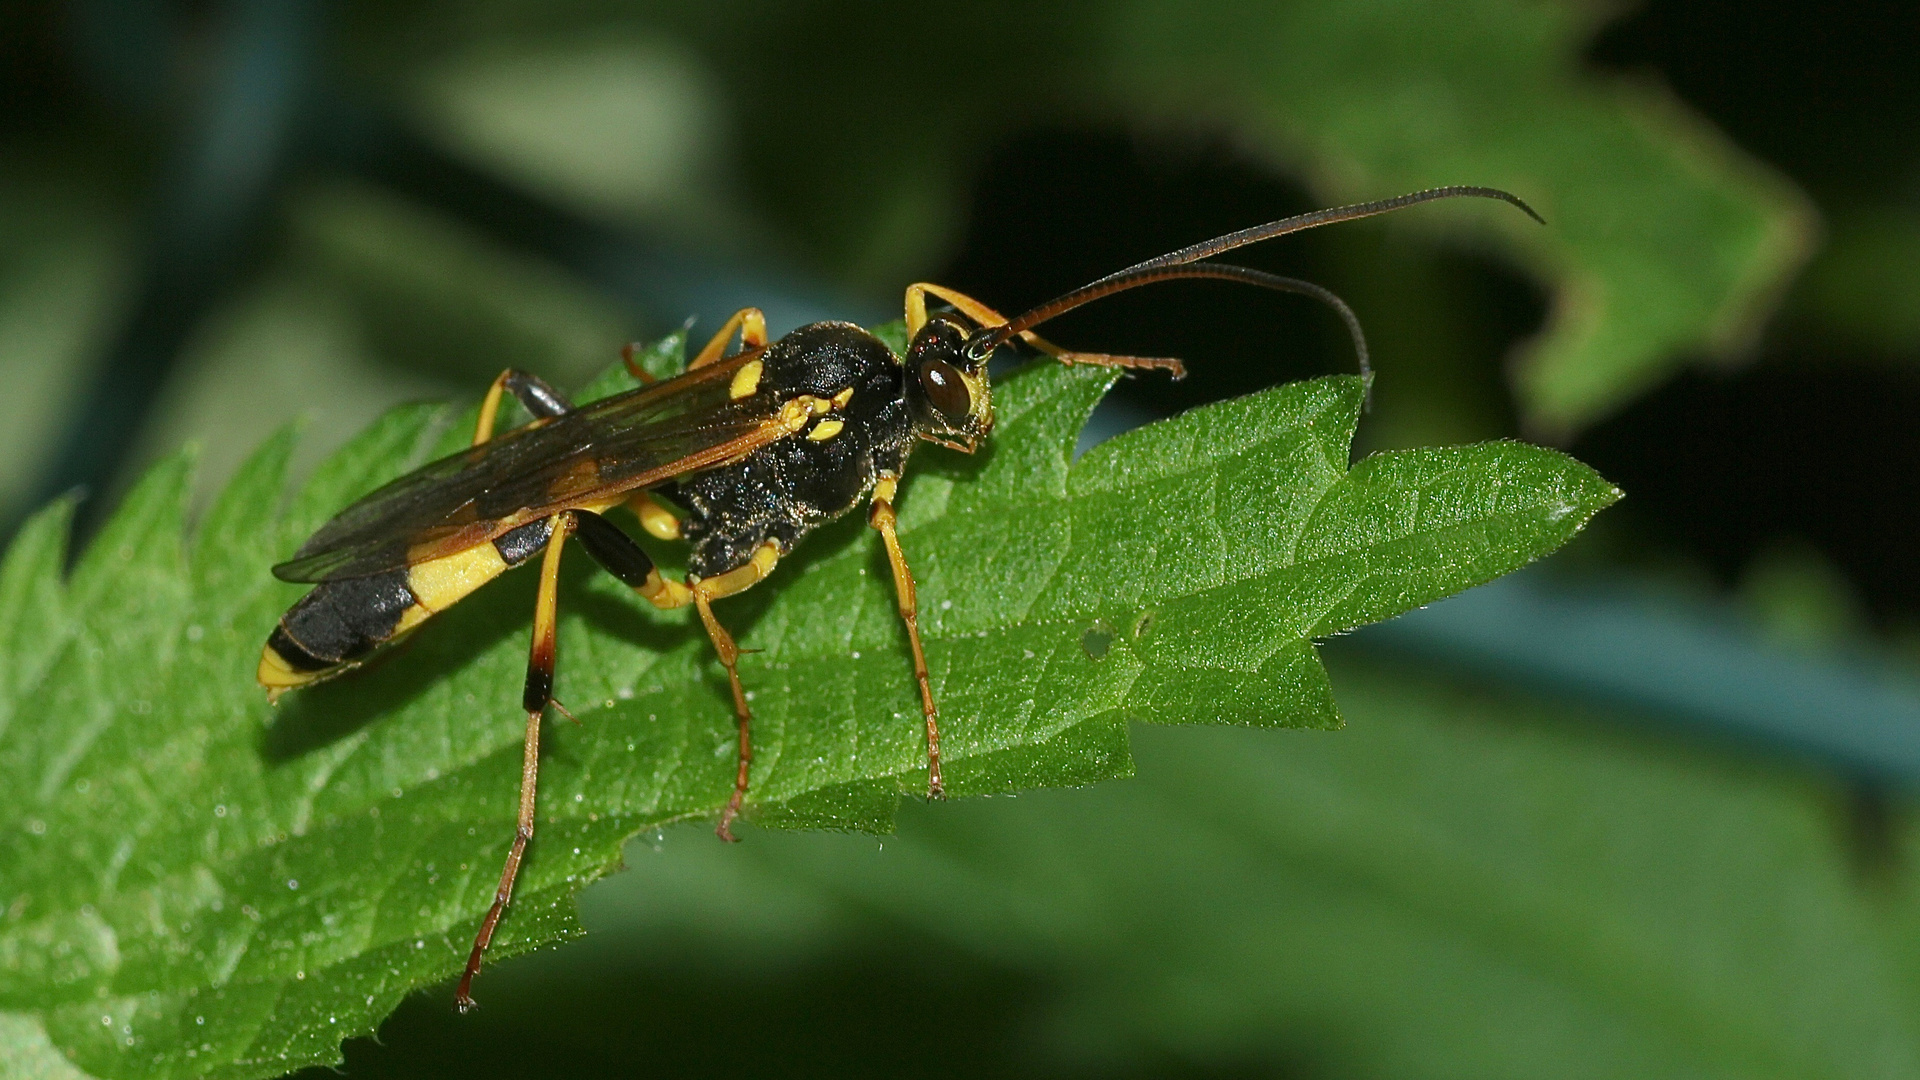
(1097,640)
(1143,624)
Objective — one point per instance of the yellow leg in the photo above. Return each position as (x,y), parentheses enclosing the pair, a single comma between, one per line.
(881,517)
(624,559)
(751,324)
(538,693)
(730,659)
(656,519)
(985,316)
(490,408)
(703,592)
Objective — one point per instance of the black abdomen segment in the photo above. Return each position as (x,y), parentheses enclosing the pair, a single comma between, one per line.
(341,621)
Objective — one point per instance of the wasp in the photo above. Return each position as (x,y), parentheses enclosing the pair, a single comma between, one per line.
(755,448)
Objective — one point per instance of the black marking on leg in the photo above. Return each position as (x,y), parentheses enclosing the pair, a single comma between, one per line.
(616,552)
(518,545)
(344,620)
(539,689)
(538,398)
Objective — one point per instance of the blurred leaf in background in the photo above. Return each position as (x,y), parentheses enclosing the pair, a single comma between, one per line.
(63,264)
(852,131)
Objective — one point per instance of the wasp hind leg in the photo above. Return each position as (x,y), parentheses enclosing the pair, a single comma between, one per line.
(533,392)
(881,517)
(535,698)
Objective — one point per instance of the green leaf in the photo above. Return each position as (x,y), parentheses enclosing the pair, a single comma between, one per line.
(195,885)
(1664,242)
(1469,881)
(1865,285)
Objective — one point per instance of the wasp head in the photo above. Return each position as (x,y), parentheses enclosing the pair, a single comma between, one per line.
(947,392)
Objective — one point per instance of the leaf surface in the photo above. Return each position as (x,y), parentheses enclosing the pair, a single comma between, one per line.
(196,885)
(1471,880)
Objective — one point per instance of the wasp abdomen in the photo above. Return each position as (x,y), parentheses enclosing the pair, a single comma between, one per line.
(340,622)
(337,623)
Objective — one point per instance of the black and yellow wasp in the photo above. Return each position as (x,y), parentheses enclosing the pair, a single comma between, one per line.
(755,448)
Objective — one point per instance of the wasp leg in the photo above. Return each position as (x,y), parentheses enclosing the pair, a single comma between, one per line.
(659,521)
(980,313)
(880,515)
(752,324)
(535,698)
(618,554)
(540,399)
(705,591)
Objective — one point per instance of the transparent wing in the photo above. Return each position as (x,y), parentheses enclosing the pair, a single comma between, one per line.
(586,457)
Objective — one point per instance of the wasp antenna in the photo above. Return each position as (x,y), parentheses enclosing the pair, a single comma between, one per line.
(991,338)
(1250,276)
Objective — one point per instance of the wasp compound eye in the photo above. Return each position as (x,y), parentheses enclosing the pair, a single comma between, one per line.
(946,389)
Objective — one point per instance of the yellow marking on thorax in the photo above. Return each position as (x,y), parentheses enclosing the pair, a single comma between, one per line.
(441,583)
(746,380)
(795,414)
(826,429)
(840,399)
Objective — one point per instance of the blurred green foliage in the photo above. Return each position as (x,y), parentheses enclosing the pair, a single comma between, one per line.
(1866,284)
(851,131)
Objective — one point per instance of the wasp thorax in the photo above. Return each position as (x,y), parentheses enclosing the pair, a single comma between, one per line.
(947,393)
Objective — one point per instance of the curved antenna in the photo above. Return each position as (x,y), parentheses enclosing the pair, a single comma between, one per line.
(988,339)
(1128,279)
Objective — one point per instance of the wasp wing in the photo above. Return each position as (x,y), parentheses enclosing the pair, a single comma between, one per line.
(587,457)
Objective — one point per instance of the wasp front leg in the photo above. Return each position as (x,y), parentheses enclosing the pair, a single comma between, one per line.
(881,516)
(623,558)
(537,694)
(984,316)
